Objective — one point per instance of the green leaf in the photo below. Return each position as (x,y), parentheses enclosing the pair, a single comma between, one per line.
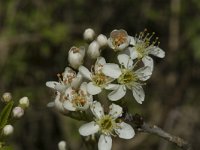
(5,113)
(6,148)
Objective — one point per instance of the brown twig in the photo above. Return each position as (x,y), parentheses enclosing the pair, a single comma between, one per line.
(142,126)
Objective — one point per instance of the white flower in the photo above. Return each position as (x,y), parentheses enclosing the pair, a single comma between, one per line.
(6,97)
(97,78)
(62,145)
(8,129)
(24,102)
(93,50)
(77,99)
(76,56)
(142,47)
(102,40)
(126,78)
(118,40)
(89,34)
(67,79)
(107,125)
(17,112)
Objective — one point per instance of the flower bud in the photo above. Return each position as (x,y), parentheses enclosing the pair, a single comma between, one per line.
(93,50)
(6,97)
(62,145)
(24,102)
(76,56)
(8,129)
(89,34)
(102,40)
(18,112)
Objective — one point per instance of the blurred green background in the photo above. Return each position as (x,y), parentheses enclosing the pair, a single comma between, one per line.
(35,36)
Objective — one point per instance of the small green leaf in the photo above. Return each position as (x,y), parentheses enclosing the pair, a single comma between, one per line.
(5,113)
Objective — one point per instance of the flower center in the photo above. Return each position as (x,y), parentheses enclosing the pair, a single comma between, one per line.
(79,99)
(99,79)
(143,41)
(127,77)
(119,37)
(107,125)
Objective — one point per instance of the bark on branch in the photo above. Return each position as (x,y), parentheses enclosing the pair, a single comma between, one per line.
(142,126)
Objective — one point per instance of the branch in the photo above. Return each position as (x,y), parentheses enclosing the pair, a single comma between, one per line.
(142,126)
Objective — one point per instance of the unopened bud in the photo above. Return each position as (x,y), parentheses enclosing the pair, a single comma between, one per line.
(102,40)
(62,145)
(89,34)
(18,112)
(24,102)
(6,97)
(76,56)
(8,129)
(93,50)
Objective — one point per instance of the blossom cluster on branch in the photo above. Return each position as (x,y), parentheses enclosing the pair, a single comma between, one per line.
(81,88)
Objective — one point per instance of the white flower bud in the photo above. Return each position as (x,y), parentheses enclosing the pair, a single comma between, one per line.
(89,34)
(62,145)
(8,129)
(76,56)
(102,40)
(6,97)
(18,112)
(93,50)
(24,102)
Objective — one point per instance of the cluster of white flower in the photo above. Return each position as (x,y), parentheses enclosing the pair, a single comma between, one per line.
(77,88)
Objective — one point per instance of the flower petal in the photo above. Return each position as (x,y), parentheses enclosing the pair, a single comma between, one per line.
(105,143)
(144,73)
(111,70)
(56,85)
(132,40)
(115,111)
(117,94)
(93,89)
(85,72)
(156,51)
(112,86)
(125,60)
(133,53)
(88,128)
(77,81)
(97,109)
(148,61)
(125,131)
(69,106)
(138,93)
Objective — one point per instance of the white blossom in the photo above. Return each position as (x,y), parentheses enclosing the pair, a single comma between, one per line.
(17,112)
(127,78)
(62,145)
(6,97)
(77,99)
(24,102)
(76,56)
(143,47)
(8,129)
(98,80)
(89,34)
(102,40)
(119,40)
(93,50)
(107,125)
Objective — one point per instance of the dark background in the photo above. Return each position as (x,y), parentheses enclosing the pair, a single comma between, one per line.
(35,36)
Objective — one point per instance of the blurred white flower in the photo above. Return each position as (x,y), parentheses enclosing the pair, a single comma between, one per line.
(102,40)
(24,102)
(98,79)
(62,145)
(119,40)
(89,34)
(93,50)
(77,99)
(76,56)
(8,129)
(6,97)
(143,47)
(17,112)
(126,78)
(107,125)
